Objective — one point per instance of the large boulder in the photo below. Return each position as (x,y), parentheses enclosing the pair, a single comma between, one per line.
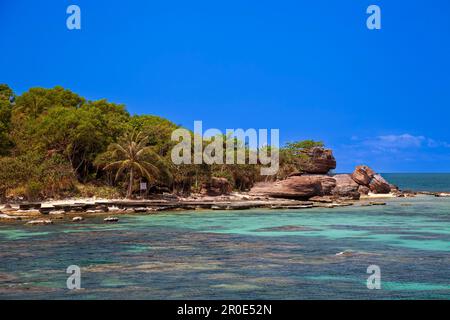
(296,187)
(328,184)
(318,160)
(363,190)
(367,178)
(216,187)
(379,185)
(346,187)
(317,186)
(363,175)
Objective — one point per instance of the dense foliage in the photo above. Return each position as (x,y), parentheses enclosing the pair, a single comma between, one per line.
(54,143)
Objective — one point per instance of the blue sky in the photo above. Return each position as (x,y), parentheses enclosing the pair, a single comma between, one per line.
(309,68)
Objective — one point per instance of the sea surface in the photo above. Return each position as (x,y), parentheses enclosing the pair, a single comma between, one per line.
(435,182)
(253,254)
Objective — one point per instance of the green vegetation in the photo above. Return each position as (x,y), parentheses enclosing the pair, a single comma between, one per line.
(132,155)
(54,143)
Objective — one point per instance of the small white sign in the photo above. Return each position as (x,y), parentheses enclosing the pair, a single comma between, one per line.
(143,186)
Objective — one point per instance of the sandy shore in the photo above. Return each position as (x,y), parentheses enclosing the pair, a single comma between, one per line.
(378,196)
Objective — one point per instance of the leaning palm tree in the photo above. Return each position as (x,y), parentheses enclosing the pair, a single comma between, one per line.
(133,156)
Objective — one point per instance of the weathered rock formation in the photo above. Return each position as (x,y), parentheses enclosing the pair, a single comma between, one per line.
(379,185)
(318,161)
(324,187)
(363,175)
(296,187)
(328,184)
(346,187)
(216,187)
(363,190)
(366,177)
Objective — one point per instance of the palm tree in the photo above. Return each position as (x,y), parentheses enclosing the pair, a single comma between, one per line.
(133,155)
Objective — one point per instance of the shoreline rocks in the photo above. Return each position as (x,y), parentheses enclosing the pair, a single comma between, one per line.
(318,160)
(40,222)
(294,187)
(216,187)
(341,186)
(363,175)
(379,185)
(346,187)
(363,190)
(368,178)
(442,195)
(8,217)
(236,201)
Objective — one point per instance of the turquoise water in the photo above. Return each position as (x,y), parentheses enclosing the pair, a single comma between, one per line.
(437,182)
(255,254)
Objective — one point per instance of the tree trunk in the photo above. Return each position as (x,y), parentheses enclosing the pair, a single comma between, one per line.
(2,196)
(130,186)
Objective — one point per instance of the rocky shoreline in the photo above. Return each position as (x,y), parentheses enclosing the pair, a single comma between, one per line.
(314,187)
(78,210)
(42,213)
(323,186)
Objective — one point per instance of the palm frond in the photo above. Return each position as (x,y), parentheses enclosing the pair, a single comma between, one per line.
(144,171)
(132,153)
(119,172)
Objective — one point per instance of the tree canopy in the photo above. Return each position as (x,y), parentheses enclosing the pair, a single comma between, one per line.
(54,142)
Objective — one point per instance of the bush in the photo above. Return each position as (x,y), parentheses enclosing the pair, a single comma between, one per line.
(91,190)
(33,190)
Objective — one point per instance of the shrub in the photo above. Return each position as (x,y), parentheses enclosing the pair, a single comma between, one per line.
(91,190)
(33,190)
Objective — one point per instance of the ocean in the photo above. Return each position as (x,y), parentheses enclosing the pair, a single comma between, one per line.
(316,253)
(435,182)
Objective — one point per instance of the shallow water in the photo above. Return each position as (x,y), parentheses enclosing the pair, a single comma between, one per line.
(255,254)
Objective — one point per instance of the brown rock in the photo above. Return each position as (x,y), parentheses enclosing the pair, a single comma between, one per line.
(363,190)
(40,222)
(363,175)
(295,174)
(394,188)
(328,184)
(297,187)
(318,161)
(216,187)
(379,185)
(346,187)
(322,199)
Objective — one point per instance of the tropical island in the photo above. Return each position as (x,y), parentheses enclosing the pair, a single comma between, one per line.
(63,154)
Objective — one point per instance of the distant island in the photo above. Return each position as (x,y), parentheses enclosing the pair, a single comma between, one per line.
(56,145)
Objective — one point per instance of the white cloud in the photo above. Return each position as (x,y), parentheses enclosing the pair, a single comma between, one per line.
(392,152)
(437,144)
(404,141)
(394,142)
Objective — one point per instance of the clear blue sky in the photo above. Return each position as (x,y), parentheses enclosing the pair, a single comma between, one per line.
(310,68)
